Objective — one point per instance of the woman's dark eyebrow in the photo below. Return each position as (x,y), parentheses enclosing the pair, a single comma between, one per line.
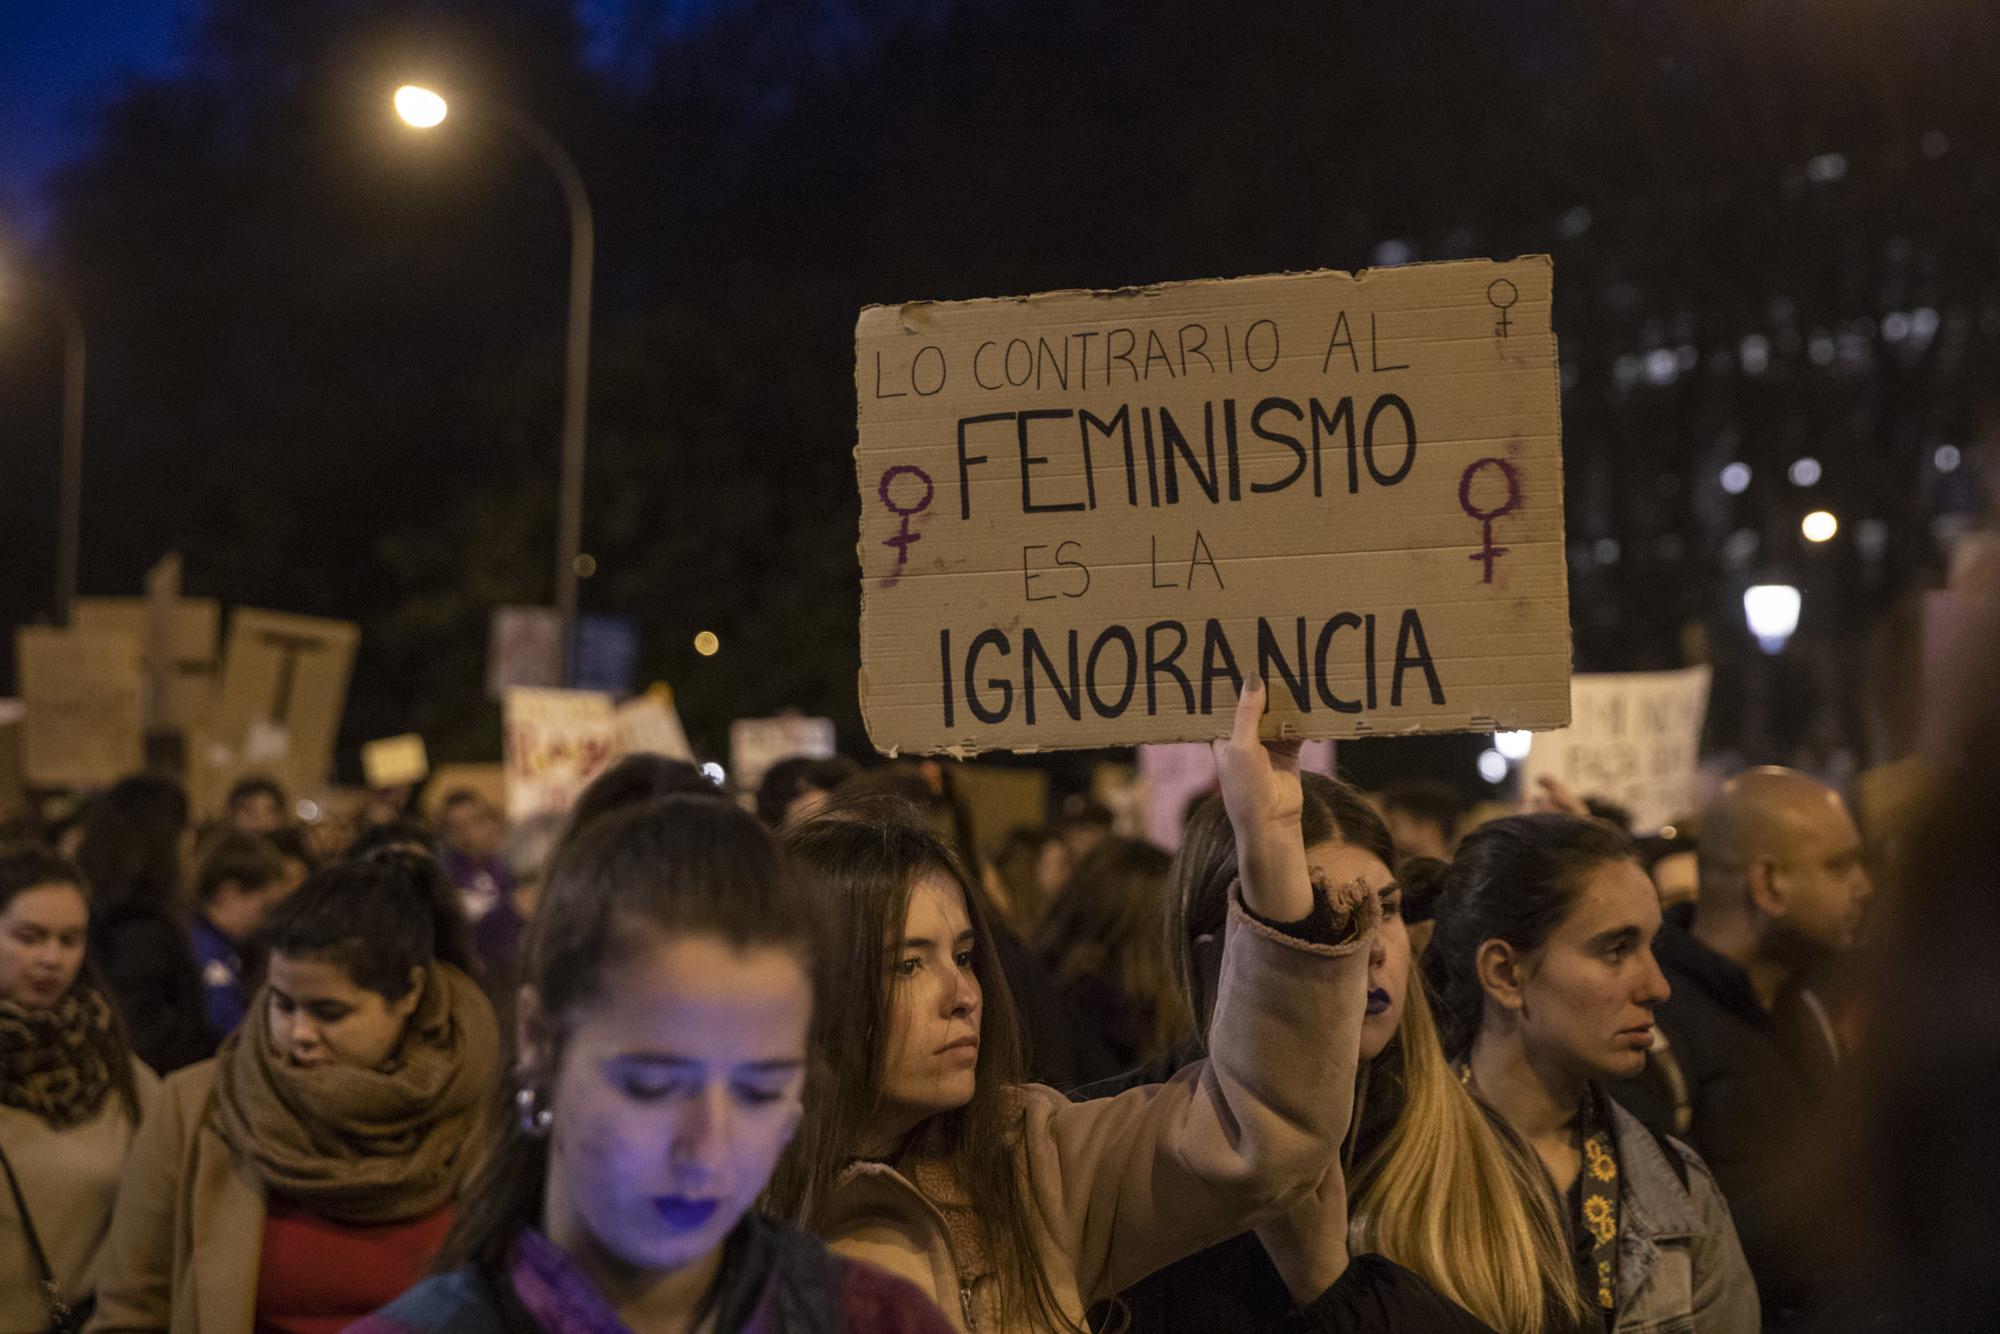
(926,943)
(1617,935)
(778,1065)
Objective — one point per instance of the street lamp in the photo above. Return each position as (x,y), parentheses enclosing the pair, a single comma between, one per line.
(69,486)
(423,109)
(1773,613)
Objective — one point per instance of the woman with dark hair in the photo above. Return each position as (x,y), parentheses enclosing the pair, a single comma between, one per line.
(1025,874)
(1013,1207)
(308,1173)
(795,787)
(1435,1218)
(71,1094)
(133,843)
(1105,943)
(639,778)
(1058,1046)
(1543,972)
(663,1022)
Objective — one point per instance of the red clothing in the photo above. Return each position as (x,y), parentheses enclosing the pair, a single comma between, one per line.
(875,1300)
(319,1277)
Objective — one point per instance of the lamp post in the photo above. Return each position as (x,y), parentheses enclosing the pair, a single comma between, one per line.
(69,485)
(423,109)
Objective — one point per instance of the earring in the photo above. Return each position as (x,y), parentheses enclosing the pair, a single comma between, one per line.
(535,1119)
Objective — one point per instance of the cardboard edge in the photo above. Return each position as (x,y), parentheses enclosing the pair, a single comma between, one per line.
(901,311)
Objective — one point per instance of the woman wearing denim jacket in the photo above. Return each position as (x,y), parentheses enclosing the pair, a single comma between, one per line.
(1543,973)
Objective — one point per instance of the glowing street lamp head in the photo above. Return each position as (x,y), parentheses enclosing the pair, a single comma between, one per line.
(419,107)
(1773,613)
(1819,526)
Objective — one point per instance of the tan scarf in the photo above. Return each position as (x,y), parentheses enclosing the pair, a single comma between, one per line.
(59,1063)
(366,1146)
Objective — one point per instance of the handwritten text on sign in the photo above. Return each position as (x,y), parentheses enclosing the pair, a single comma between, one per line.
(1086,516)
(1634,738)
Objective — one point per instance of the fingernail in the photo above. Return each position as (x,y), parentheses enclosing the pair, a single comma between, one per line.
(1253,682)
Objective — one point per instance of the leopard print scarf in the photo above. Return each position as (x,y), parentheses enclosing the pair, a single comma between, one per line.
(57,1062)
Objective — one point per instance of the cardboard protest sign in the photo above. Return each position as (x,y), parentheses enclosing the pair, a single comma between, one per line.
(395,761)
(1173,775)
(277,712)
(178,638)
(755,744)
(83,694)
(651,725)
(556,742)
(1087,515)
(1634,738)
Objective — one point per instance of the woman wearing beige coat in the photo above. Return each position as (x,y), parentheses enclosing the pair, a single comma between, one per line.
(71,1094)
(307,1174)
(1015,1208)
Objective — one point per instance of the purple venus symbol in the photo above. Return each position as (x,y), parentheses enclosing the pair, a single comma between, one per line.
(903,536)
(1488,552)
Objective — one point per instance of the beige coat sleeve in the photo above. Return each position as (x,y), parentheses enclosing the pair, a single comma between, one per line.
(1130,1184)
(136,1267)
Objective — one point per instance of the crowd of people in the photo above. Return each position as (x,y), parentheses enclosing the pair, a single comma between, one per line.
(830,1060)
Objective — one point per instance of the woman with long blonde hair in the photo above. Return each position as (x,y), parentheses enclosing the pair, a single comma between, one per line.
(1434,1218)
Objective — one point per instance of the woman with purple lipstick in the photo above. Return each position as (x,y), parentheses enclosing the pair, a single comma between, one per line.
(1543,967)
(662,1066)
(1434,1217)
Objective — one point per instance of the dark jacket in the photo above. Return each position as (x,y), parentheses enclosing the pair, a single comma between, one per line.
(1233,1285)
(775,1280)
(1061,1049)
(1747,1102)
(151,973)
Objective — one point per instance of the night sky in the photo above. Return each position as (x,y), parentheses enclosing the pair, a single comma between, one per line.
(59,59)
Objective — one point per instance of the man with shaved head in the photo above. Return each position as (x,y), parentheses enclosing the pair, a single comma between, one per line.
(1781,892)
(1781,881)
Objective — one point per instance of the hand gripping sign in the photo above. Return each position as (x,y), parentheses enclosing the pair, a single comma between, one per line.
(1087,517)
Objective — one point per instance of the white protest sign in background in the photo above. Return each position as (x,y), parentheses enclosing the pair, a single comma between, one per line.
(1173,774)
(755,744)
(649,724)
(556,741)
(1634,738)
(1087,516)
